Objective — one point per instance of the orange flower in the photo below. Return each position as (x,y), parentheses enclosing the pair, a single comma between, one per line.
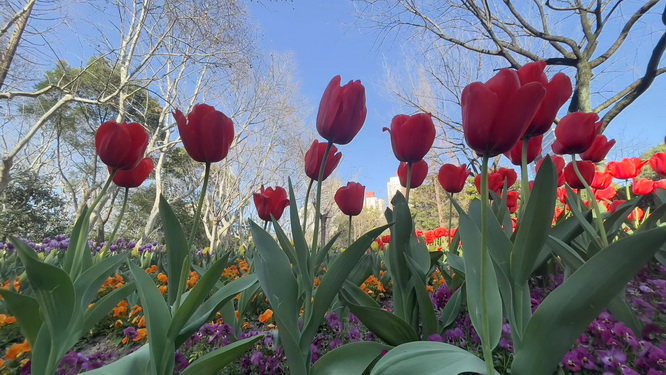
(246,325)
(266,316)
(163,289)
(141,334)
(135,310)
(142,322)
(243,265)
(17,349)
(2,363)
(192,280)
(317,281)
(6,320)
(152,269)
(120,309)
(162,278)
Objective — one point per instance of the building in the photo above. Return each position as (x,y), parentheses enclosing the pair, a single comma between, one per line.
(374,203)
(394,186)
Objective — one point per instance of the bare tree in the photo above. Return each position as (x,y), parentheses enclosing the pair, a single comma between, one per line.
(572,34)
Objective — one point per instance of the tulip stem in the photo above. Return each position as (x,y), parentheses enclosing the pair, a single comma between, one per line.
(635,211)
(349,236)
(593,201)
(120,217)
(305,206)
(450,219)
(315,235)
(524,179)
(485,327)
(81,241)
(409,180)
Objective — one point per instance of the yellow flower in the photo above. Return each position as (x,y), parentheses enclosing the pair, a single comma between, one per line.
(135,252)
(374,246)
(206,250)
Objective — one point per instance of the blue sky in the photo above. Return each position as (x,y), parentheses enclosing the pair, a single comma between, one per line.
(326,41)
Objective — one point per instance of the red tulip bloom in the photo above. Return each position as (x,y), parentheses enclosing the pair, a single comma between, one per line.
(419,174)
(515,155)
(512,201)
(441,232)
(121,146)
(341,111)
(350,198)
(314,157)
(558,91)
(496,180)
(452,178)
(643,186)
(207,134)
(660,184)
(658,163)
(601,180)
(586,169)
(575,133)
(271,202)
(626,168)
(637,214)
(559,163)
(412,136)
(599,149)
(134,177)
(615,205)
(496,114)
(562,194)
(606,194)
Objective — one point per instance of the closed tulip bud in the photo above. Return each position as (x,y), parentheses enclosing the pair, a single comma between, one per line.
(134,177)
(599,149)
(559,163)
(341,111)
(121,146)
(207,134)
(558,91)
(512,201)
(271,202)
(601,180)
(626,168)
(643,186)
(419,174)
(575,133)
(497,179)
(350,198)
(314,157)
(496,114)
(411,136)
(658,163)
(453,178)
(586,168)
(515,155)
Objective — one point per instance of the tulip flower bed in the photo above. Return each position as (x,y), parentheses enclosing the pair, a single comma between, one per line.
(523,284)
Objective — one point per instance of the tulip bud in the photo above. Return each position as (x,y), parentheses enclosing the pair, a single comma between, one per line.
(658,163)
(341,111)
(575,133)
(271,202)
(121,146)
(599,149)
(207,134)
(453,178)
(412,136)
(350,198)
(419,174)
(314,157)
(515,155)
(586,168)
(134,177)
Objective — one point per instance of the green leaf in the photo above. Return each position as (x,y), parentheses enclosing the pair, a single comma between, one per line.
(428,358)
(176,245)
(157,317)
(321,253)
(352,358)
(389,327)
(286,244)
(615,220)
(300,243)
(426,309)
(214,361)
(575,205)
(659,214)
(26,311)
(568,310)
(332,281)
(195,298)
(357,296)
(451,310)
(481,287)
(535,223)
(88,283)
(82,223)
(213,304)
(105,304)
(362,271)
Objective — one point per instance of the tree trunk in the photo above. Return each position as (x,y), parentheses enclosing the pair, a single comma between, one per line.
(8,56)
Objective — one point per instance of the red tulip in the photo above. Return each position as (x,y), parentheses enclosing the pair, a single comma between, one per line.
(121,146)
(586,169)
(615,205)
(626,168)
(496,180)
(341,111)
(660,184)
(315,155)
(559,167)
(599,149)
(419,174)
(134,177)
(558,91)
(515,155)
(601,180)
(643,186)
(441,232)
(496,114)
(207,134)
(606,194)
(658,163)
(271,202)
(637,214)
(512,201)
(562,194)
(350,198)
(411,136)
(452,178)
(575,133)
